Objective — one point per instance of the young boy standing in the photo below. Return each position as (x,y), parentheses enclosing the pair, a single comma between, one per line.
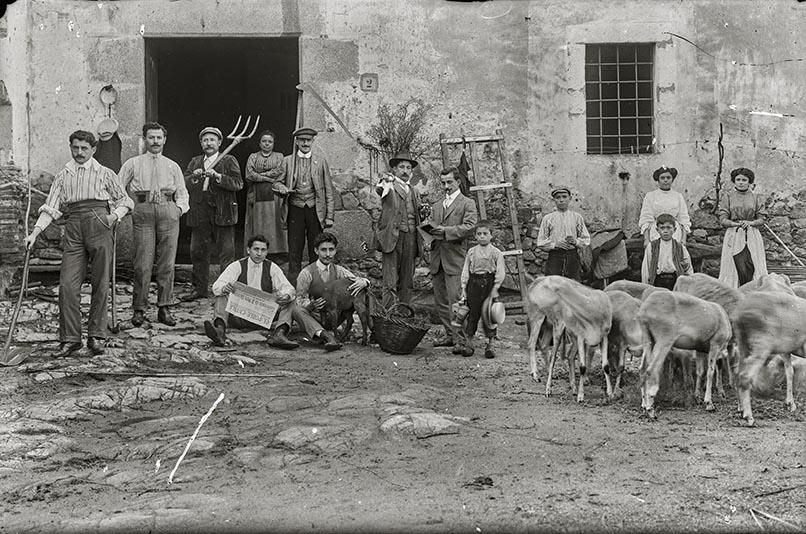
(665,258)
(561,234)
(482,275)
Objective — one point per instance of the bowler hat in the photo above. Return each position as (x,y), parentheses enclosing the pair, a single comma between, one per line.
(310,132)
(493,312)
(211,129)
(402,156)
(560,189)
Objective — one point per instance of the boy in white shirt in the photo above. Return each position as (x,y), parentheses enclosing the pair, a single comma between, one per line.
(665,258)
(562,233)
(482,276)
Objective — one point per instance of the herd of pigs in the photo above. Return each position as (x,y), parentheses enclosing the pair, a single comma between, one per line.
(701,320)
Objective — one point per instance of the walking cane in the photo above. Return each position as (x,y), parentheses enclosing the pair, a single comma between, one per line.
(114,327)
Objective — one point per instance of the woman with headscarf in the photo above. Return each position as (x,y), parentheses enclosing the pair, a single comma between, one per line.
(263,214)
(741,211)
(662,200)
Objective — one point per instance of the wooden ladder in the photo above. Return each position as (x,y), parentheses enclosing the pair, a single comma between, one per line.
(498,139)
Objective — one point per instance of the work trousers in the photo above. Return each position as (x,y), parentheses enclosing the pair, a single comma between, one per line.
(477,290)
(398,269)
(87,240)
(564,263)
(665,280)
(303,224)
(285,315)
(447,290)
(156,235)
(207,237)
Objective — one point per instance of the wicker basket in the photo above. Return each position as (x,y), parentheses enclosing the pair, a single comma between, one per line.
(397,330)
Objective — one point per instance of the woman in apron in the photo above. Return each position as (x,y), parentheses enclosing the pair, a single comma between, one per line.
(262,204)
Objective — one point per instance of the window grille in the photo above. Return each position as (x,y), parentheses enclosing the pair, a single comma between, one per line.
(618,97)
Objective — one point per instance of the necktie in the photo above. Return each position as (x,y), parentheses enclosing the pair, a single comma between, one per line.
(155,184)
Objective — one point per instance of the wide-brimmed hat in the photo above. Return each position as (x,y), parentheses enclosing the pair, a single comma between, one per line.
(305,131)
(493,312)
(402,156)
(107,128)
(213,130)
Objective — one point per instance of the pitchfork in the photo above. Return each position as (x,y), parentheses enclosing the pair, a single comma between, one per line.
(237,138)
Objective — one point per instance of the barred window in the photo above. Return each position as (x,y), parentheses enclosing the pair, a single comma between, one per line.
(618,95)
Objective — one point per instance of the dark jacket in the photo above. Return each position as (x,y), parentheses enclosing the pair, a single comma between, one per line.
(460,222)
(322,185)
(220,197)
(393,209)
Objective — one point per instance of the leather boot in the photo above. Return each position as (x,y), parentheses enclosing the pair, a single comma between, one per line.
(138,318)
(164,316)
(217,331)
(280,341)
(96,345)
(331,343)
(66,348)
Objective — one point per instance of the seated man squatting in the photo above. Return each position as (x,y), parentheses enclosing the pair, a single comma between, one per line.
(323,270)
(260,273)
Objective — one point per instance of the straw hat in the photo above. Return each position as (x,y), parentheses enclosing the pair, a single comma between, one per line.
(493,312)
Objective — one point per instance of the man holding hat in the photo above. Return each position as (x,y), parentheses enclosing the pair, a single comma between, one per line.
(157,186)
(396,234)
(212,185)
(309,205)
(562,233)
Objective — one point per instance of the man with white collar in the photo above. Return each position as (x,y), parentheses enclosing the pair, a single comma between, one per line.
(212,186)
(454,220)
(322,271)
(397,234)
(309,203)
(83,192)
(258,272)
(157,187)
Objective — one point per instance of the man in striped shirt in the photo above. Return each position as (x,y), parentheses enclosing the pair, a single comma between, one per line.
(562,233)
(157,187)
(83,192)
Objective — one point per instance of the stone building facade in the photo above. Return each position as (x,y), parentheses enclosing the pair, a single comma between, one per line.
(515,65)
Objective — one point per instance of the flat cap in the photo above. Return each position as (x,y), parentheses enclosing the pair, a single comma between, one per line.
(305,131)
(560,189)
(211,129)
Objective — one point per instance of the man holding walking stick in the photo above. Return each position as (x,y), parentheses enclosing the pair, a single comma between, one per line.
(82,192)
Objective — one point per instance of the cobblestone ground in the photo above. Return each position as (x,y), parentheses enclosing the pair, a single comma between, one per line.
(361,440)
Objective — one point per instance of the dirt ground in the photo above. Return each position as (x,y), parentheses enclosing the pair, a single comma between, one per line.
(360,441)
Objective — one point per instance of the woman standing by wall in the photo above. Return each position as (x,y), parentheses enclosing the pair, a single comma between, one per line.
(662,200)
(262,204)
(741,211)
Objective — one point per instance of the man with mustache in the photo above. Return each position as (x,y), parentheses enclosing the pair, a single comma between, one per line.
(454,221)
(157,186)
(397,235)
(84,192)
(212,186)
(309,203)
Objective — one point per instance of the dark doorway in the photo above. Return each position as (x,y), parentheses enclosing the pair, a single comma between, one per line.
(196,82)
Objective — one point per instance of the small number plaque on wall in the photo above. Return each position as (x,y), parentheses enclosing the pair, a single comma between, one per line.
(369,82)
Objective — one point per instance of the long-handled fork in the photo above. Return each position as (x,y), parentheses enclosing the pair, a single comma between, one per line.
(237,138)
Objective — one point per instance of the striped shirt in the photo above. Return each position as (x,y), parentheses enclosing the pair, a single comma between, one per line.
(557,225)
(155,172)
(74,183)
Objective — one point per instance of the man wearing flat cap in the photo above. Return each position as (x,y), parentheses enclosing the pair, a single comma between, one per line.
(562,233)
(396,234)
(309,206)
(212,183)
